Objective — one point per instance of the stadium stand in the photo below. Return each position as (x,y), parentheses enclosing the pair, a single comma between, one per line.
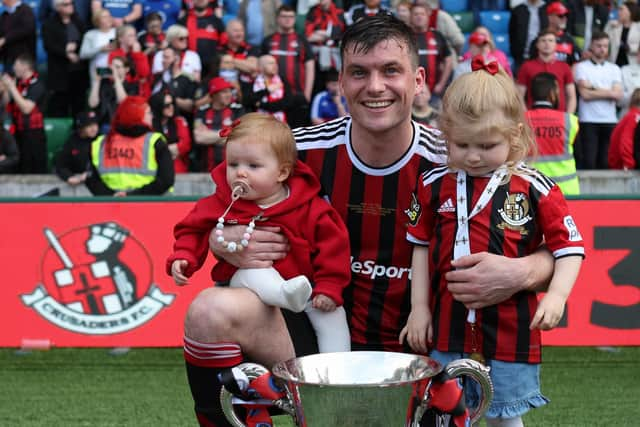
(497,21)
(453,6)
(465,21)
(57,130)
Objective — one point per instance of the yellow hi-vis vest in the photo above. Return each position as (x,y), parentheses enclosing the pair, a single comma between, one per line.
(126,163)
(555,133)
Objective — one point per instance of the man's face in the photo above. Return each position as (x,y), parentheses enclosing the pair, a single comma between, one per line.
(600,49)
(268,65)
(286,21)
(235,31)
(546,44)
(380,85)
(558,22)
(168,58)
(419,18)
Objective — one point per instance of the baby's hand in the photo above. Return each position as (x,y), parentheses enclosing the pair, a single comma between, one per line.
(177,271)
(549,312)
(323,303)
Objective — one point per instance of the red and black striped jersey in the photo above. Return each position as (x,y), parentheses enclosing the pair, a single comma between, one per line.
(208,156)
(291,50)
(371,201)
(432,51)
(522,211)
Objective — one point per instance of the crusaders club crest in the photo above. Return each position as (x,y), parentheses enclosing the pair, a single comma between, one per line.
(96,280)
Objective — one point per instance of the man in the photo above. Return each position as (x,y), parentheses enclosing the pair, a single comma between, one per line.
(17,32)
(205,30)
(25,96)
(527,20)
(364,9)
(209,119)
(171,79)
(72,162)
(555,133)
(368,165)
(245,56)
(123,11)
(600,87)
(67,74)
(295,62)
(546,61)
(433,52)
(567,49)
(444,23)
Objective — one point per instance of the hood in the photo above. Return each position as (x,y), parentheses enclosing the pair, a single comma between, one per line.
(303,184)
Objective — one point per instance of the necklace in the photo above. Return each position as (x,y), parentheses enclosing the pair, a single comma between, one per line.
(232,246)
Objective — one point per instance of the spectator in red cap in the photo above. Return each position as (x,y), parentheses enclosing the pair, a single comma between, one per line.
(480,43)
(209,119)
(494,54)
(624,34)
(131,159)
(567,49)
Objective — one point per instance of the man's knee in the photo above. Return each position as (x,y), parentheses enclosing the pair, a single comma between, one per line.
(216,314)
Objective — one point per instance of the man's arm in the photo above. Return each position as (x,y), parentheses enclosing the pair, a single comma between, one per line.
(570,96)
(267,244)
(485,279)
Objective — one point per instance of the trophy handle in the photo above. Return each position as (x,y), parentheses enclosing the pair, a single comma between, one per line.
(478,372)
(252,371)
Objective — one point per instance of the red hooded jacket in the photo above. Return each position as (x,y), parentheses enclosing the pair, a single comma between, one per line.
(318,238)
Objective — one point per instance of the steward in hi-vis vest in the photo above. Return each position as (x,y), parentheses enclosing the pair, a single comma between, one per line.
(555,132)
(131,159)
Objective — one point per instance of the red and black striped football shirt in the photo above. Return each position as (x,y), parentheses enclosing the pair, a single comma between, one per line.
(291,50)
(521,212)
(372,201)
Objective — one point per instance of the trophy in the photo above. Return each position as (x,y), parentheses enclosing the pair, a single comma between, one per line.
(361,388)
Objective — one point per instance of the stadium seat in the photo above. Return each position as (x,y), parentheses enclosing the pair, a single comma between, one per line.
(57,130)
(502,42)
(300,21)
(497,21)
(464,20)
(452,6)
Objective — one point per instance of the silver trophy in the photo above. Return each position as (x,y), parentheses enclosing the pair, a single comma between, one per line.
(361,388)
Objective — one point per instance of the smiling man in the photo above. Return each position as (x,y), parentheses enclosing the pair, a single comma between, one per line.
(368,165)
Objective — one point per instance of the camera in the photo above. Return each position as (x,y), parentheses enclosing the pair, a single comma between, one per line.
(104,71)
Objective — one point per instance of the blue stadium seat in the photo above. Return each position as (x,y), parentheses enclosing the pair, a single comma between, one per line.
(497,21)
(464,20)
(502,42)
(454,5)
(41,53)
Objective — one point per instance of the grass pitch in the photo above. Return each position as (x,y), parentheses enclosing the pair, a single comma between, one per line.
(148,387)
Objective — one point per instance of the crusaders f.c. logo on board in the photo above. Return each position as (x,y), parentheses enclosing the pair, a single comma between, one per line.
(96,280)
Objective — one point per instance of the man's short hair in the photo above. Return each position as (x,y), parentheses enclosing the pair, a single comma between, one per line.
(27,60)
(367,32)
(542,86)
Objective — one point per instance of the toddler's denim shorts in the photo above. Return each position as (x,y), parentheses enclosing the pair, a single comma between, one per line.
(516,386)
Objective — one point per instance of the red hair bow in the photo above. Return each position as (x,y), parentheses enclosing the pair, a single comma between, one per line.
(478,63)
(226,130)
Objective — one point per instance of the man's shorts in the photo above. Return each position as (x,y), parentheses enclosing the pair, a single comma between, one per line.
(516,386)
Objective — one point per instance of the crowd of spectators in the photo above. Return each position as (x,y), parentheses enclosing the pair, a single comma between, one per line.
(203,63)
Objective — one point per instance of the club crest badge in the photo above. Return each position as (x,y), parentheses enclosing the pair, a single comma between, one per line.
(414,210)
(515,213)
(96,280)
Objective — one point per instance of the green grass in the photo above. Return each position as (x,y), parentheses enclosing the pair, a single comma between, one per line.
(147,387)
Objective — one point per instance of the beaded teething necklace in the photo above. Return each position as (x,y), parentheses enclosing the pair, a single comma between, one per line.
(238,191)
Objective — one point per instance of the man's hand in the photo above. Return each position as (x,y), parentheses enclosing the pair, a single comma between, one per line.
(267,245)
(485,279)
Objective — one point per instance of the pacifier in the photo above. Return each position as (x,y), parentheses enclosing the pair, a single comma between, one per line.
(239,189)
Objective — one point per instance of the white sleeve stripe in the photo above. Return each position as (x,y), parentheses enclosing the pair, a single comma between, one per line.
(569,251)
(416,241)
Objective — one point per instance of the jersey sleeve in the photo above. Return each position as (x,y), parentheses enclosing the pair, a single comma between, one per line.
(420,221)
(561,233)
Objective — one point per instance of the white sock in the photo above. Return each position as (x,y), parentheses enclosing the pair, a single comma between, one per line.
(297,291)
(504,422)
(331,329)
